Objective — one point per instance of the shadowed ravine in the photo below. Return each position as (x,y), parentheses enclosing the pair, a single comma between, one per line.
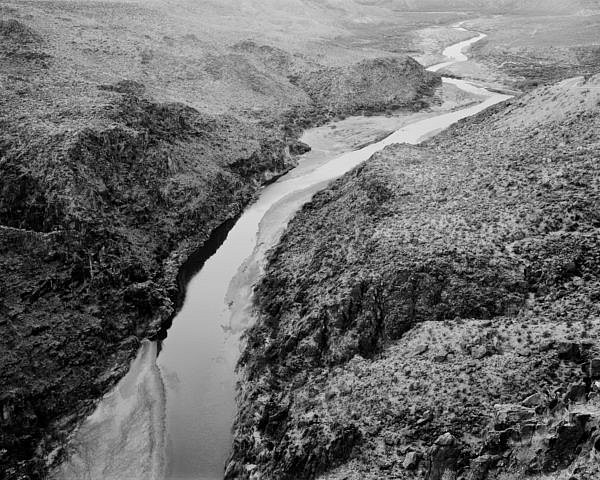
(171,416)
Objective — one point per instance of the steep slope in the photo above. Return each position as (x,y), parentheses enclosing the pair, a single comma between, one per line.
(434,313)
(369,85)
(94,224)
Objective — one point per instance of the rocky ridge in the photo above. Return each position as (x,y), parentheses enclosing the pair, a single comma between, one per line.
(379,84)
(434,313)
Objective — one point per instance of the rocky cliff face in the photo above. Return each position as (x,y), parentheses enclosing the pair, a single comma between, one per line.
(434,313)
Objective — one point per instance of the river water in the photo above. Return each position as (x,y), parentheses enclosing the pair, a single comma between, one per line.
(171,415)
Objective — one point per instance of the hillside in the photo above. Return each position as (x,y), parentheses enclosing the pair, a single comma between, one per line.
(487,6)
(434,313)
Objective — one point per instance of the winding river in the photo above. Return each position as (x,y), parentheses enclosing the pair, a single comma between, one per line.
(170,417)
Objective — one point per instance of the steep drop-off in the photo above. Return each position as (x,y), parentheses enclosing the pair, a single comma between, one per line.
(434,313)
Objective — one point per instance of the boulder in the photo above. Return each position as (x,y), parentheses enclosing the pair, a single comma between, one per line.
(569,351)
(443,457)
(411,461)
(446,440)
(576,393)
(535,400)
(509,415)
(299,148)
(440,357)
(426,418)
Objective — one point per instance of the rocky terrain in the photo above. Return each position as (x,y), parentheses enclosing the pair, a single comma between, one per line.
(435,312)
(95,224)
(129,131)
(112,176)
(353,89)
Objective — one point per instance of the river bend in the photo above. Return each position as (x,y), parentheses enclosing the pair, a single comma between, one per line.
(170,417)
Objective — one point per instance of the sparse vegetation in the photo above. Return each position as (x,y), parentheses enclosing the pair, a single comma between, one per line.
(128,133)
(373,284)
(130,130)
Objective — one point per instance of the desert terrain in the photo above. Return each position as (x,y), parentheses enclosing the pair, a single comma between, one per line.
(129,131)
(436,310)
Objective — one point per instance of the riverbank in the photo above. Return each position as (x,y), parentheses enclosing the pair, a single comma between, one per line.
(108,262)
(435,309)
(197,358)
(103,218)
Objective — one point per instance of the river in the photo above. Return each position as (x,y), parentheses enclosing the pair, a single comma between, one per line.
(170,417)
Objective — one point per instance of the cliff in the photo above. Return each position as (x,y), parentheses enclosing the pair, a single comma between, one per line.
(95,224)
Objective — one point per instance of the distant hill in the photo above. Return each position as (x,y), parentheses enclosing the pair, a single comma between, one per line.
(539,6)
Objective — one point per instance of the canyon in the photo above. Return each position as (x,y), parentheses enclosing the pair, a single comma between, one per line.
(135,135)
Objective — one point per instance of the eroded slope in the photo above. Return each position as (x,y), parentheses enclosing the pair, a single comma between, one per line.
(437,308)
